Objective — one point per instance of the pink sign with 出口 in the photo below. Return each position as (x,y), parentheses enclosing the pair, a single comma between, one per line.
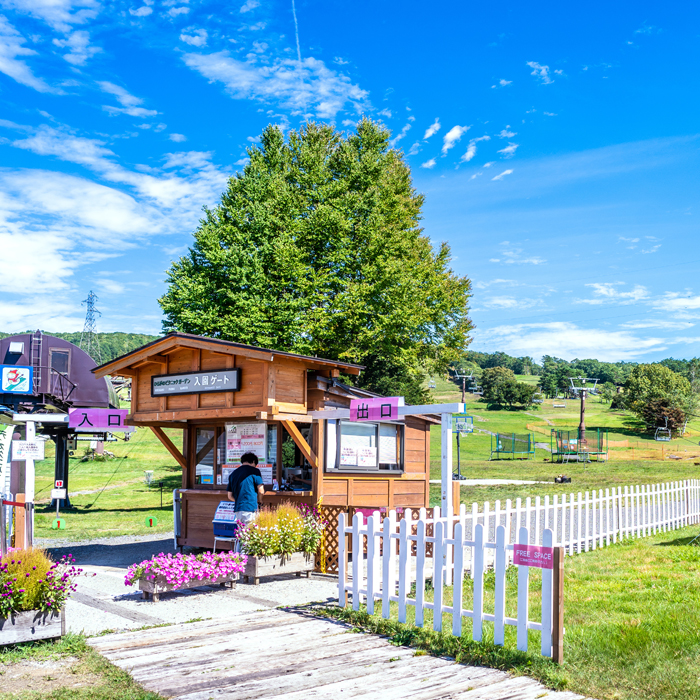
(376,409)
(530,555)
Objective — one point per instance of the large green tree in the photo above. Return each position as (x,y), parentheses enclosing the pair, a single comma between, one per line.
(653,390)
(316,248)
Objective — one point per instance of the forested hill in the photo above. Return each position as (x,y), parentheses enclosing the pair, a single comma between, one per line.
(112,345)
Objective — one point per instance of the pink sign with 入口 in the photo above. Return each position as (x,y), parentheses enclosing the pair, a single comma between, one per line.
(530,555)
(376,409)
(98,420)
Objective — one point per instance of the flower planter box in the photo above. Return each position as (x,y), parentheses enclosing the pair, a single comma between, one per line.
(32,625)
(155,587)
(295,563)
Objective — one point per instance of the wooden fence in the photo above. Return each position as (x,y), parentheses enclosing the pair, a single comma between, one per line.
(472,541)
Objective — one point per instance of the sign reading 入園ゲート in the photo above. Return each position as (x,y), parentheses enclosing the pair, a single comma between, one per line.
(22,450)
(196,382)
(530,555)
(16,379)
(91,420)
(376,409)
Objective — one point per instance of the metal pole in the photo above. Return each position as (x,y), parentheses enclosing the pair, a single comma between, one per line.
(464,379)
(582,424)
(446,463)
(459,469)
(3,530)
(29,525)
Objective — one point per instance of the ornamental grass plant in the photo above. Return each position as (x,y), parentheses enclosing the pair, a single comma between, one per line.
(282,531)
(31,580)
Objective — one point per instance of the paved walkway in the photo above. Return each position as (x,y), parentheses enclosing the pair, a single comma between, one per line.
(491,482)
(295,656)
(102,601)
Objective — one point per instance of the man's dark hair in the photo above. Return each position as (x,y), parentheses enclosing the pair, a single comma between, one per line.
(250,458)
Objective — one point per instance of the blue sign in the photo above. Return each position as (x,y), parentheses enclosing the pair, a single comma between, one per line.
(464,423)
(16,379)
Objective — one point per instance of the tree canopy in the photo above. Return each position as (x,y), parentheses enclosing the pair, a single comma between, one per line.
(500,386)
(316,248)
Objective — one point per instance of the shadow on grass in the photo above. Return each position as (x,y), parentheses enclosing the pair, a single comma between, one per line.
(693,540)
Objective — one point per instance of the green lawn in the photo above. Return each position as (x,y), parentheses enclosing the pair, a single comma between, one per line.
(632,621)
(118,500)
(65,669)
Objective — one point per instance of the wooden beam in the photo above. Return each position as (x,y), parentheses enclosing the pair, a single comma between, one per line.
(199,414)
(297,417)
(117,365)
(167,443)
(151,360)
(301,443)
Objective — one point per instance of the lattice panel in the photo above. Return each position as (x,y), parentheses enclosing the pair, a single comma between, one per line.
(330,515)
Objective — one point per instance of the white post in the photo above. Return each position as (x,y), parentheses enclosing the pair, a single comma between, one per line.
(523,597)
(387,564)
(357,558)
(371,559)
(403,569)
(458,585)
(447,507)
(29,481)
(342,573)
(546,601)
(478,615)
(438,573)
(499,622)
(420,570)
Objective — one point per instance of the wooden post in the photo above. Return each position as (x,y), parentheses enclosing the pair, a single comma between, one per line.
(456,495)
(19,521)
(558,606)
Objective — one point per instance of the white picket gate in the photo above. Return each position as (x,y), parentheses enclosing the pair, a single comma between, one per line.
(475,540)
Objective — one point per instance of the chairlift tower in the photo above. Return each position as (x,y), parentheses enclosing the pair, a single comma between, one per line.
(464,378)
(580,386)
(89,340)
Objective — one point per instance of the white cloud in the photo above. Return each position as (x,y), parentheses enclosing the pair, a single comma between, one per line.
(196,37)
(59,14)
(568,341)
(175,11)
(653,249)
(258,26)
(507,302)
(142,11)
(250,5)
(338,60)
(657,323)
(471,149)
(428,164)
(489,164)
(506,133)
(385,113)
(676,302)
(509,150)
(549,114)
(502,83)
(309,88)
(79,49)
(414,149)
(11,46)
(403,132)
(452,137)
(432,129)
(178,138)
(128,101)
(542,72)
(502,175)
(606,292)
(498,280)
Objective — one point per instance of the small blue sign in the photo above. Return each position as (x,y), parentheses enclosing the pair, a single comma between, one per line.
(464,423)
(16,379)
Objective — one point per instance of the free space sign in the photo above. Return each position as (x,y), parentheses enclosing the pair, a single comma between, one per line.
(530,555)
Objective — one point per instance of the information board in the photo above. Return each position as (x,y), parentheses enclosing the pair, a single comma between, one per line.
(16,379)
(23,450)
(266,472)
(225,512)
(245,437)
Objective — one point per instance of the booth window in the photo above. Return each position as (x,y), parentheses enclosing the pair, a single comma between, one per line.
(365,446)
(205,456)
(59,361)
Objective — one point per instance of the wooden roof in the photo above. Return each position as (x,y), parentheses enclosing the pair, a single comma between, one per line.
(158,349)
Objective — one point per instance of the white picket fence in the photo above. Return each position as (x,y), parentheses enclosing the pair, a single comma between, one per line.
(474,541)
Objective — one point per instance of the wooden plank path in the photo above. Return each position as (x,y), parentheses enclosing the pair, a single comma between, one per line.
(295,656)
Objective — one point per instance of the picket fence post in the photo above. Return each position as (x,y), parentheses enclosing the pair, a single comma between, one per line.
(458,582)
(438,574)
(499,625)
(478,608)
(342,562)
(403,568)
(420,571)
(371,559)
(523,597)
(547,601)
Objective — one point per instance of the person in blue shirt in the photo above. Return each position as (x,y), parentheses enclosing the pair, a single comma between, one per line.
(245,487)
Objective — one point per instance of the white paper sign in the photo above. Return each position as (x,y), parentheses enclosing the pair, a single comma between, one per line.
(245,437)
(23,450)
(348,456)
(265,473)
(58,494)
(367,457)
(225,511)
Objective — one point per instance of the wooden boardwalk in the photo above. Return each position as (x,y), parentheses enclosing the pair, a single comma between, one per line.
(295,656)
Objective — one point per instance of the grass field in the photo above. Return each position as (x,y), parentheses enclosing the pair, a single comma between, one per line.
(110,497)
(631,616)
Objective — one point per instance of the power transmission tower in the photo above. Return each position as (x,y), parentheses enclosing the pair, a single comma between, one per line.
(89,340)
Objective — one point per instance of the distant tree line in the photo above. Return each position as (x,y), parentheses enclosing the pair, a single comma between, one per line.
(112,345)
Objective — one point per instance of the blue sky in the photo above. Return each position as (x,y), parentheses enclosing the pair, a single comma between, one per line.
(557,146)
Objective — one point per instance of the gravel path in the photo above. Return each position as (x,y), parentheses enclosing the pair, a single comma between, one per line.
(103,602)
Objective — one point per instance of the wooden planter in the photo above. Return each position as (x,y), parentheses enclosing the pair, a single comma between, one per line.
(154,588)
(295,563)
(32,625)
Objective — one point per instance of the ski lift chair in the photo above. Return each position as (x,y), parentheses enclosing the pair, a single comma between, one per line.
(662,435)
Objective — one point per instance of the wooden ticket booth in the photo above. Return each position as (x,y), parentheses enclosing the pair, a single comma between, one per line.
(228,398)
